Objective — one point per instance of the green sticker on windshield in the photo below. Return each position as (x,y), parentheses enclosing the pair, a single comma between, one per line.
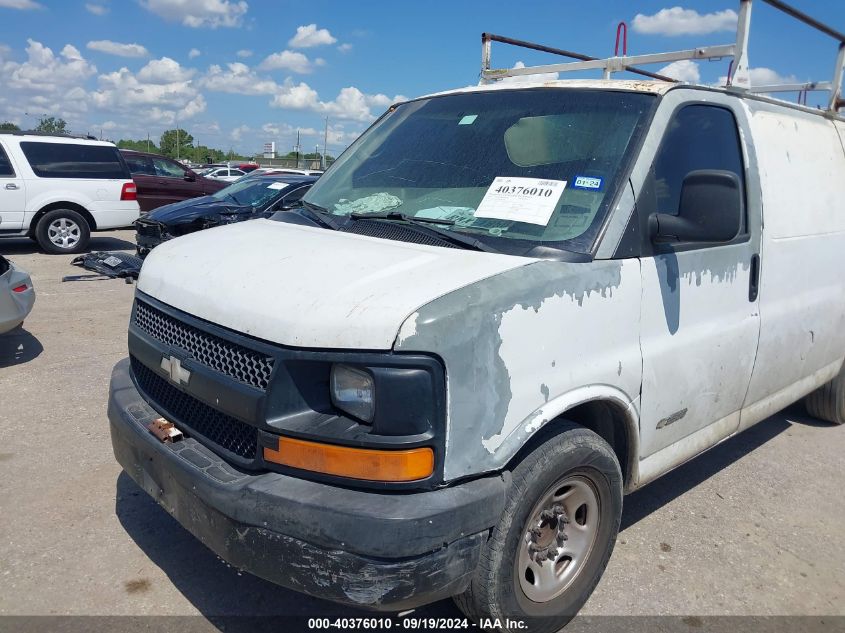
(468,119)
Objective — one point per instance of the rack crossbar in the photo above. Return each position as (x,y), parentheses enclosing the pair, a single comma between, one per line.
(738,75)
(615,64)
(811,86)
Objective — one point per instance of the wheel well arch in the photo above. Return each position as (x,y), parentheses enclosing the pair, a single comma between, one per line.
(92,224)
(608,419)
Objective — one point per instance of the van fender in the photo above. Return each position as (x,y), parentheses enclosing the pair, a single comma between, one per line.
(555,410)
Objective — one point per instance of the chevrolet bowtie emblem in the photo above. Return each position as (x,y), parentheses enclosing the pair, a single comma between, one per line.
(174,369)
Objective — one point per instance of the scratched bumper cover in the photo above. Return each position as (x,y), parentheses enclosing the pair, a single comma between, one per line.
(368,549)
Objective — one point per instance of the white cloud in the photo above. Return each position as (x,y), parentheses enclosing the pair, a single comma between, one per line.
(131,104)
(24,5)
(238,133)
(350,102)
(44,72)
(96,9)
(762,76)
(527,78)
(290,60)
(309,36)
(157,95)
(116,48)
(199,13)
(238,78)
(194,53)
(344,48)
(680,21)
(299,96)
(766,76)
(44,83)
(683,70)
(244,53)
(164,71)
(286,134)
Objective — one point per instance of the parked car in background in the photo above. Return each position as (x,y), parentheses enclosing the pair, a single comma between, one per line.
(279,171)
(225,174)
(244,200)
(17,296)
(57,189)
(162,180)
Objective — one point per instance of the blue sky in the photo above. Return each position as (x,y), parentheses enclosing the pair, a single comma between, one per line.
(238,73)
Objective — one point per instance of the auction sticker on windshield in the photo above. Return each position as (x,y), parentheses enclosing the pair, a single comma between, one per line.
(531,200)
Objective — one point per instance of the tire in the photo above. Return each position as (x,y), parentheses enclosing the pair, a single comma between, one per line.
(560,473)
(828,401)
(62,231)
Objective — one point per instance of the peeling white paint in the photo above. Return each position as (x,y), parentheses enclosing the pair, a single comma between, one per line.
(408,329)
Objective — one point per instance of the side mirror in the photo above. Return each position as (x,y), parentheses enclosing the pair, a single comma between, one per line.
(710,210)
(190,176)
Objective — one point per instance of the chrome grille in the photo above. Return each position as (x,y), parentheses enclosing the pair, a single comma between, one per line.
(244,365)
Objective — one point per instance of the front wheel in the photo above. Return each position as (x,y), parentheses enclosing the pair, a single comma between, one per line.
(62,231)
(555,536)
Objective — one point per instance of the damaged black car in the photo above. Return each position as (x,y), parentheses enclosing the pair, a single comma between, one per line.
(246,199)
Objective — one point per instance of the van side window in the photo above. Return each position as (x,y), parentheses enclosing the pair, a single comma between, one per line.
(699,137)
(6,170)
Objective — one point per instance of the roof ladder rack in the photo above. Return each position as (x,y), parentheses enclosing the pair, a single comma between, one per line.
(738,75)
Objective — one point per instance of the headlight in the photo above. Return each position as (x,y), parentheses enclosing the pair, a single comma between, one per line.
(353,391)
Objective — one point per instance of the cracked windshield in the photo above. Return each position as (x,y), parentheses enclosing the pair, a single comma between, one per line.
(531,165)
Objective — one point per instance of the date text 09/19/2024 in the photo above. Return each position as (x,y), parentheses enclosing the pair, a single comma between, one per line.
(412,623)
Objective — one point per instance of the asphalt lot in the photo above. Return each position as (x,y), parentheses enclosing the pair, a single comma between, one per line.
(751,528)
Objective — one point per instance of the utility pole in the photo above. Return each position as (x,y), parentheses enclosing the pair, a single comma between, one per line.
(325,143)
(148,141)
(297,148)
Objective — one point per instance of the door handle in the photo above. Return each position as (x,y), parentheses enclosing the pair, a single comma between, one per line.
(754,284)
(12,185)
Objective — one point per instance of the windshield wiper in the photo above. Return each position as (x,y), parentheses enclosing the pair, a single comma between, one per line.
(396,215)
(319,215)
(426,225)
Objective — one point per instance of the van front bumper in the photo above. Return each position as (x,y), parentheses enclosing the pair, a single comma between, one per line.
(371,549)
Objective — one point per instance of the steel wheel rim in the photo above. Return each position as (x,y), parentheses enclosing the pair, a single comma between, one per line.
(555,546)
(64,233)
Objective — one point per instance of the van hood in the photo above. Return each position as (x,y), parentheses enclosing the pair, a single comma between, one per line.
(306,286)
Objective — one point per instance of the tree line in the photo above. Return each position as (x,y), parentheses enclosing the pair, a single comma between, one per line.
(180,144)
(173,143)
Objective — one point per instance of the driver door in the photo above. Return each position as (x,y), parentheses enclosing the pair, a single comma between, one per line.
(699,319)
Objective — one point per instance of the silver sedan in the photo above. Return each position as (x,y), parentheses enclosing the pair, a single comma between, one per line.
(17,295)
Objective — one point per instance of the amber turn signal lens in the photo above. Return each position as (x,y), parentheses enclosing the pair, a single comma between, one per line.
(355,463)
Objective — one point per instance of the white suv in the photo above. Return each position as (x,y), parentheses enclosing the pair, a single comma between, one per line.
(58,189)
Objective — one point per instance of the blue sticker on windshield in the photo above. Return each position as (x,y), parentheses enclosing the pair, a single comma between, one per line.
(591,183)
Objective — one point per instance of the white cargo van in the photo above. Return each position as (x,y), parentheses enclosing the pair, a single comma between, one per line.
(58,189)
(500,310)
